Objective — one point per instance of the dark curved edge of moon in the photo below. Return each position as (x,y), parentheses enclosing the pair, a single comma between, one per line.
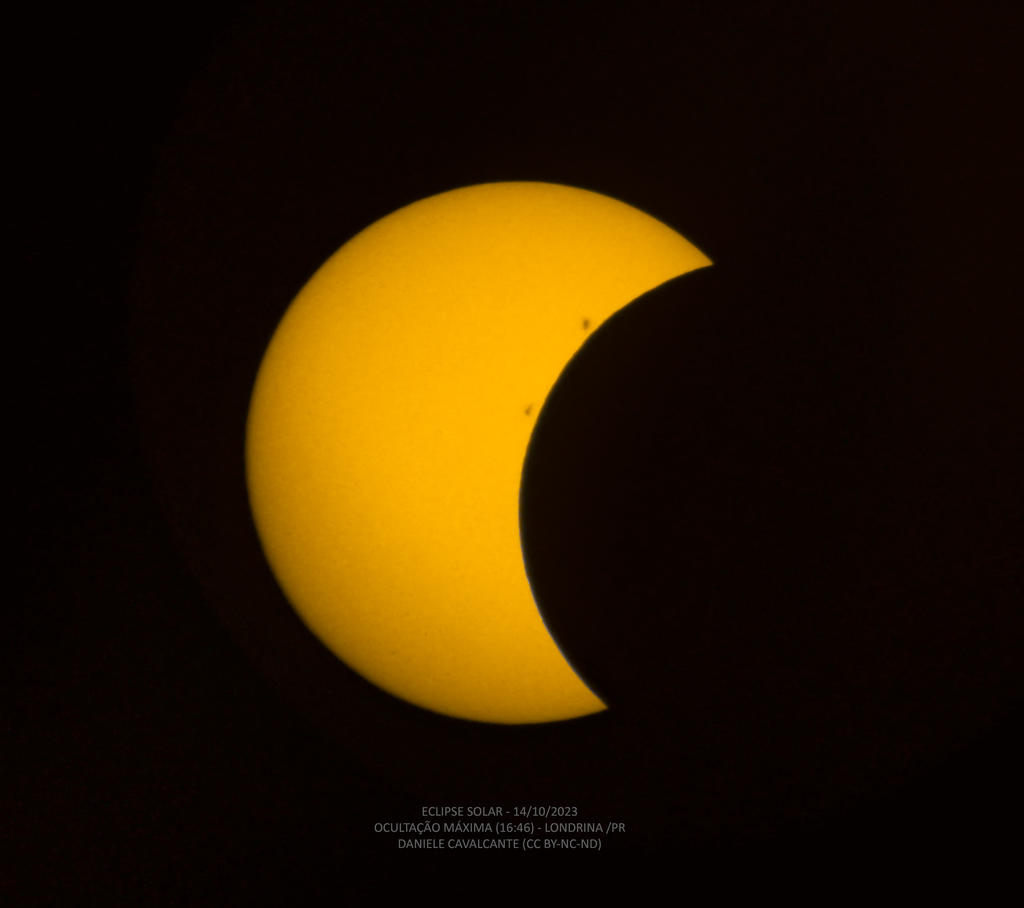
(763,519)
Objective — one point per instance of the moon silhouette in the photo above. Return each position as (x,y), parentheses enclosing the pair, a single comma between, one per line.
(389,423)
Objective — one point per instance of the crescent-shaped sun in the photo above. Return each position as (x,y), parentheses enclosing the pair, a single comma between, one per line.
(389,423)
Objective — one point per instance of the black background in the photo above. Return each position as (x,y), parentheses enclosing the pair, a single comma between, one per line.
(850,368)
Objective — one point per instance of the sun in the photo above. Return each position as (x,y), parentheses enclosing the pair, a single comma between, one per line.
(389,423)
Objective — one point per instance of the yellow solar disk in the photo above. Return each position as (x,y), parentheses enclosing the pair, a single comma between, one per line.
(389,424)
